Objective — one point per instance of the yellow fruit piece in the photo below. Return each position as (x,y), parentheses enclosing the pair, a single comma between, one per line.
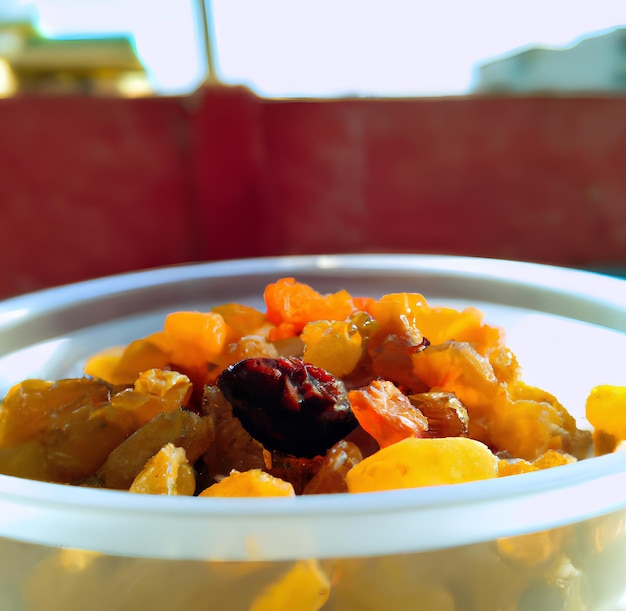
(102,365)
(442,324)
(249,483)
(606,410)
(305,587)
(122,365)
(155,391)
(416,462)
(167,472)
(335,346)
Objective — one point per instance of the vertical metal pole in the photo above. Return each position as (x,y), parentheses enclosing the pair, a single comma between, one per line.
(206,16)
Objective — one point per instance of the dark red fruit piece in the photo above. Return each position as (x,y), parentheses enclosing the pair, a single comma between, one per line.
(288,405)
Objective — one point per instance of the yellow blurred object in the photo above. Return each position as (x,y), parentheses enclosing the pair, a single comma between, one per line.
(8,82)
(606,410)
(305,587)
(532,549)
(35,64)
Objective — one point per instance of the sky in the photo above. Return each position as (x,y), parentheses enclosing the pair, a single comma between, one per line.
(327,47)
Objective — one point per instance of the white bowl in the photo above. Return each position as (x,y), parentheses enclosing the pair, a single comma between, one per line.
(533,541)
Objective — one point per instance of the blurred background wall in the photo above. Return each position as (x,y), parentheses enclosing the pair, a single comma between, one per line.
(147,134)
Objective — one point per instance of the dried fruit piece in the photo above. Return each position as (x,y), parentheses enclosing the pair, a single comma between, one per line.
(335,346)
(396,339)
(182,428)
(59,431)
(549,459)
(457,367)
(288,405)
(26,460)
(446,415)
(526,422)
(305,587)
(296,470)
(249,483)
(331,476)
(155,391)
(386,413)
(194,336)
(441,324)
(167,472)
(242,320)
(290,305)
(122,365)
(34,407)
(232,448)
(415,462)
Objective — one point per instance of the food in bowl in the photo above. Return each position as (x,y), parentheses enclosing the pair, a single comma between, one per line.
(319,393)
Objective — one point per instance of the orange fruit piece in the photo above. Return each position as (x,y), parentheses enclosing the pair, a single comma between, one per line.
(290,305)
(397,311)
(386,413)
(254,482)
(195,337)
(416,462)
(167,472)
(304,587)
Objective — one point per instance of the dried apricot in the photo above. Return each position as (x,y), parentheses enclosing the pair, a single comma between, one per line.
(195,337)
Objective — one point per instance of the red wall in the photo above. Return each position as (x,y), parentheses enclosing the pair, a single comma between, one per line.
(90,187)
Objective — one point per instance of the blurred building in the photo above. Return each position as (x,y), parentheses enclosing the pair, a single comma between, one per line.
(594,64)
(31,63)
